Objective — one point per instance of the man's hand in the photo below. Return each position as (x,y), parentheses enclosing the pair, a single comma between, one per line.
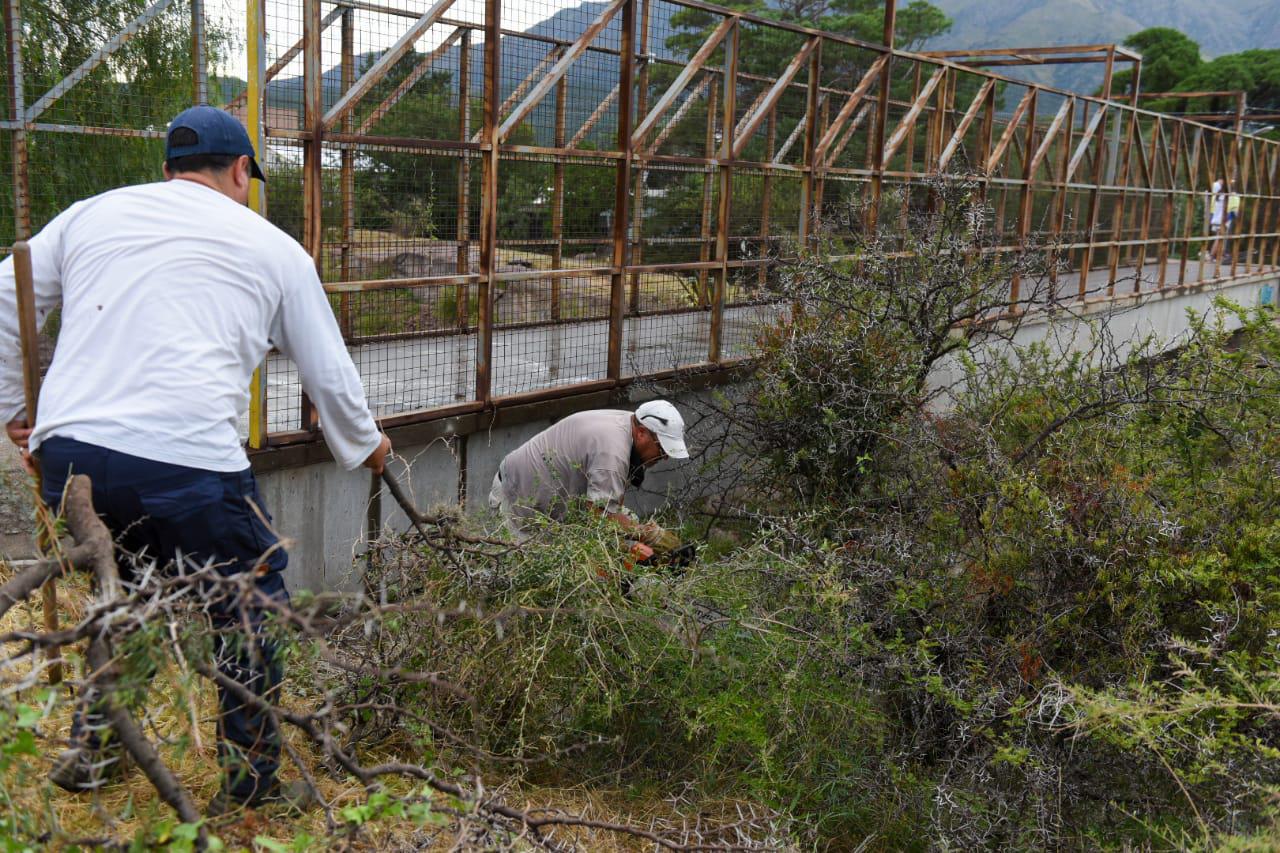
(378,459)
(20,434)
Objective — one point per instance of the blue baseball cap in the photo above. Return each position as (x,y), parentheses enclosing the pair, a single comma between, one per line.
(216,132)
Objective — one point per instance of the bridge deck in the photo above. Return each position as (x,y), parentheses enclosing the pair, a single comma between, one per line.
(427,372)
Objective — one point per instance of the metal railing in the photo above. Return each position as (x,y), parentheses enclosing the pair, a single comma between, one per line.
(511,212)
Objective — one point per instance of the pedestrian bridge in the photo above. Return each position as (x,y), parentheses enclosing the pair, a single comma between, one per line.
(520,213)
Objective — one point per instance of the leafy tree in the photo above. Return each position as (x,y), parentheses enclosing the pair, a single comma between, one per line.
(1168,57)
(1257,72)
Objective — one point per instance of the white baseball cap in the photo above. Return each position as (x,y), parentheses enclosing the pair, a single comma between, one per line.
(665,422)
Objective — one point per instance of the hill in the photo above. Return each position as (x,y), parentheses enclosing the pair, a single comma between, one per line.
(1218,27)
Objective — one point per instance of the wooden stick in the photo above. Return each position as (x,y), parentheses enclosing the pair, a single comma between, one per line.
(27,332)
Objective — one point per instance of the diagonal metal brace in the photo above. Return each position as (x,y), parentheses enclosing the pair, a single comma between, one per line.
(846,111)
(546,84)
(1011,129)
(518,92)
(742,134)
(970,114)
(695,94)
(909,120)
(385,63)
(1083,147)
(98,57)
(1047,142)
(682,80)
(595,117)
(419,71)
(286,57)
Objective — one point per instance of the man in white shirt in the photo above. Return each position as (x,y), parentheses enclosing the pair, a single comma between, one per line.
(171,294)
(1217,216)
(590,456)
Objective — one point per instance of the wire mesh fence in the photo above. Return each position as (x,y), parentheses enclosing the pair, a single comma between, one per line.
(507,199)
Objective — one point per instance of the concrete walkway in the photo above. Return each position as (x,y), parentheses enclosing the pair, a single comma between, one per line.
(429,372)
(421,373)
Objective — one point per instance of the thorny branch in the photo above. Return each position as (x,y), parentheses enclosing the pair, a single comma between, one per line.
(185,595)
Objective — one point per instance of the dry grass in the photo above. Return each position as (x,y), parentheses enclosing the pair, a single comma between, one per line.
(179,715)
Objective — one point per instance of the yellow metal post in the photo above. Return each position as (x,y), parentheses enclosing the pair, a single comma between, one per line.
(256,45)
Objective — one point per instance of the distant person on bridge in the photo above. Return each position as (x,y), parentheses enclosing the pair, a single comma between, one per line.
(171,294)
(1233,218)
(591,456)
(1217,217)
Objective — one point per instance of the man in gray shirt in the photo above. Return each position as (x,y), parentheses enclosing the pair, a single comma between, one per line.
(587,455)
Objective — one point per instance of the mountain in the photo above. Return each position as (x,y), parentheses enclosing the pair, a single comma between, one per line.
(590,78)
(1219,27)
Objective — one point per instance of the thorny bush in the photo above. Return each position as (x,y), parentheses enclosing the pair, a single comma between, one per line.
(954,592)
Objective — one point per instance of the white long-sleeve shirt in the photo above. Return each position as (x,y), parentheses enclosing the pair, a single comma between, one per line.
(172,293)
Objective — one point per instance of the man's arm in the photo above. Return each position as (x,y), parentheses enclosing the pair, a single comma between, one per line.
(307,332)
(46,263)
(606,487)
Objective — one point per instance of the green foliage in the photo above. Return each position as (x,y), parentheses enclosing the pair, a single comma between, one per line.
(1168,58)
(141,86)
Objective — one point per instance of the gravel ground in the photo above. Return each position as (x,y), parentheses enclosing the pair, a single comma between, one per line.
(15,506)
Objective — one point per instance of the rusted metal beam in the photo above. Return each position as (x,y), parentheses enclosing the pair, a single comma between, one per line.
(13,60)
(385,62)
(347,180)
(682,80)
(419,71)
(796,132)
(523,86)
(621,184)
(557,71)
(488,198)
(557,196)
(1051,133)
(957,137)
(1028,194)
(1083,147)
(708,191)
(96,58)
(1059,214)
(725,189)
(312,162)
(640,176)
(1099,159)
(846,111)
(833,154)
(594,118)
(1006,51)
(313,120)
(287,57)
(810,202)
(694,94)
(908,122)
(766,193)
(199,54)
(747,127)
(1011,129)
(462,296)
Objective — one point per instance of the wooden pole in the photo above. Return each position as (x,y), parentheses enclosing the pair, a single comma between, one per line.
(621,188)
(488,196)
(28,335)
(729,108)
(348,178)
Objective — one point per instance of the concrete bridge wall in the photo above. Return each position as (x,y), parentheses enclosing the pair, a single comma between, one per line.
(327,513)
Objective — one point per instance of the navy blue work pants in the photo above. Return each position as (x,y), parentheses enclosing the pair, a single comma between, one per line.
(166,513)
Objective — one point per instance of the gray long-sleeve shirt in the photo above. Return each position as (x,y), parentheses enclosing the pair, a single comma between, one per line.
(586,455)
